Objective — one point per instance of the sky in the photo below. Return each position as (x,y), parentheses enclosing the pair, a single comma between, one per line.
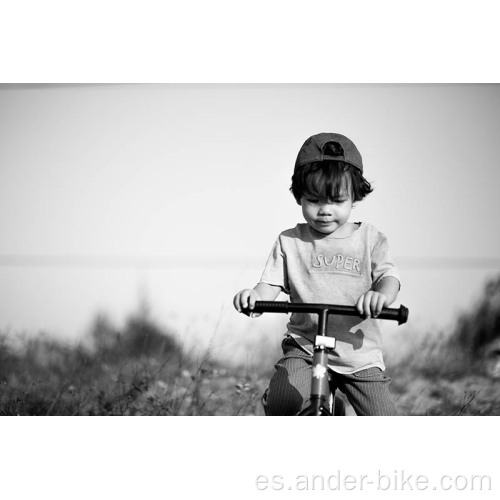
(174,194)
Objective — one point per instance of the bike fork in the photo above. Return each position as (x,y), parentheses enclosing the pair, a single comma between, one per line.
(321,392)
(320,387)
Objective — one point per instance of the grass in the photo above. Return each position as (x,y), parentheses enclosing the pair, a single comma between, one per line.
(454,373)
(137,370)
(141,369)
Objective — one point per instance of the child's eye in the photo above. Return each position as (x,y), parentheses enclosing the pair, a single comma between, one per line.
(315,201)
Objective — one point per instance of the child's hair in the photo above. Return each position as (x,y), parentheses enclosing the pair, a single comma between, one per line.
(329,180)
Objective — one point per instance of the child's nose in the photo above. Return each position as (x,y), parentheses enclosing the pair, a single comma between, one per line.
(325,209)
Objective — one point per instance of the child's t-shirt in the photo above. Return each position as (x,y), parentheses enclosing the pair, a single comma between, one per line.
(311,267)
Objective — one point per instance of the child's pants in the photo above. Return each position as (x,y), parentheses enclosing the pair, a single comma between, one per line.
(290,386)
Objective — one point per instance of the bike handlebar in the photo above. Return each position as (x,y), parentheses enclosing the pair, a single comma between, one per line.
(261,306)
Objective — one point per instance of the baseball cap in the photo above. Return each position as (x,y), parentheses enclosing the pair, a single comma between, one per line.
(329,146)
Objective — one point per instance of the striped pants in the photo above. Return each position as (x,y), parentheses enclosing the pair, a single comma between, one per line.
(289,388)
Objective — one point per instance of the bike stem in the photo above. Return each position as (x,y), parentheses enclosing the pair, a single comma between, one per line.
(322,321)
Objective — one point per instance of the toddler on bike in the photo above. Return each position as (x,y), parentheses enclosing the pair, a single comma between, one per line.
(329,259)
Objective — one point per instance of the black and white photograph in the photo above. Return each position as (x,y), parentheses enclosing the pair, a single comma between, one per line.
(141,223)
(216,212)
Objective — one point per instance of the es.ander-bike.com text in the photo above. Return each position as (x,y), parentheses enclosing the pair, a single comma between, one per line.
(397,480)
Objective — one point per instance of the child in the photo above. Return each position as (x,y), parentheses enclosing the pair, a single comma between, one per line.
(329,260)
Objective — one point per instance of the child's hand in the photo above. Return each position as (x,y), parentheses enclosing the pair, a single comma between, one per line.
(370,304)
(246,300)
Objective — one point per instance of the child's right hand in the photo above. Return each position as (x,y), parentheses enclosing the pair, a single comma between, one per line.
(246,300)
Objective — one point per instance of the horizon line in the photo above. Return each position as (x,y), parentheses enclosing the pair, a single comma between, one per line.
(108,261)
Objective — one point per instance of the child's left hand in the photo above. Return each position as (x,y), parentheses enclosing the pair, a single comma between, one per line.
(370,304)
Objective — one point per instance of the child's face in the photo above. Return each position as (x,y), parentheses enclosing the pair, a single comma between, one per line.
(326,216)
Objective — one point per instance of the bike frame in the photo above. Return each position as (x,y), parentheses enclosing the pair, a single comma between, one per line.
(320,387)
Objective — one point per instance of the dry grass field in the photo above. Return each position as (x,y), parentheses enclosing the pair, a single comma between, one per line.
(140,369)
(137,370)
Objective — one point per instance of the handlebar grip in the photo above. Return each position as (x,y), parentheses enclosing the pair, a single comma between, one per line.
(400,315)
(271,306)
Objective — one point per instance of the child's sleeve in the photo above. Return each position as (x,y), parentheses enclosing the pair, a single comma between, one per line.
(382,263)
(275,271)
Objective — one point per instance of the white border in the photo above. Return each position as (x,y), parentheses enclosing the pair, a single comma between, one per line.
(220,457)
(258,41)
